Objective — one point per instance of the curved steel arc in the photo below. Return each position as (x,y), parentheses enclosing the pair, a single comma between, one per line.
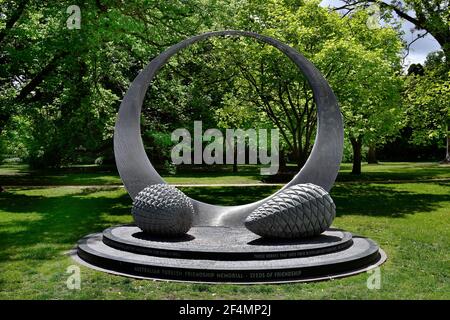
(137,172)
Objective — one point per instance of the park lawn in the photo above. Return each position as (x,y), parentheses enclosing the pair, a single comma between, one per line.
(411,222)
(21,175)
(394,171)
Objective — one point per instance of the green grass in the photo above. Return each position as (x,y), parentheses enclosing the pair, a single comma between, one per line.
(411,222)
(392,171)
(21,175)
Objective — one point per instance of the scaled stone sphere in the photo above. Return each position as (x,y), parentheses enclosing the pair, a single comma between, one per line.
(163,210)
(303,210)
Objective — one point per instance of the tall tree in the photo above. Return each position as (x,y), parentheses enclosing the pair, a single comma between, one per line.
(68,81)
(361,64)
(427,96)
(431,17)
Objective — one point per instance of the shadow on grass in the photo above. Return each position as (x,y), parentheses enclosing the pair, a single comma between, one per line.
(379,173)
(21,175)
(387,201)
(52,221)
(386,176)
(229,196)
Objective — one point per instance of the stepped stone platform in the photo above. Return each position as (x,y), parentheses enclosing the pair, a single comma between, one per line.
(224,254)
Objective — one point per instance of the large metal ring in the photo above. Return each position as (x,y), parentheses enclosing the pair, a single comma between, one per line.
(137,172)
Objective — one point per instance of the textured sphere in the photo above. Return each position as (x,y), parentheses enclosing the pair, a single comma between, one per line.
(164,210)
(304,210)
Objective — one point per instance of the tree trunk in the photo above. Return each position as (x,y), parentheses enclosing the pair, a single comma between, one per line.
(235,167)
(300,156)
(447,154)
(372,156)
(300,162)
(356,146)
(282,162)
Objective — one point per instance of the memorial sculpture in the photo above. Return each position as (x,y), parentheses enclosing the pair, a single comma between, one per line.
(284,237)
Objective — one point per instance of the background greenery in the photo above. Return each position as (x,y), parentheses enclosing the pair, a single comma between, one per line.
(60,88)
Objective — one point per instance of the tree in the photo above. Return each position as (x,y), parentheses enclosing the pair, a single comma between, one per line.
(234,114)
(269,83)
(372,155)
(361,64)
(57,80)
(429,16)
(432,17)
(428,99)
(68,82)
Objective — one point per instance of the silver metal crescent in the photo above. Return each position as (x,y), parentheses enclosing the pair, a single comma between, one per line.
(137,172)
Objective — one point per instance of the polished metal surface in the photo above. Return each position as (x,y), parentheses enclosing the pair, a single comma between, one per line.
(137,172)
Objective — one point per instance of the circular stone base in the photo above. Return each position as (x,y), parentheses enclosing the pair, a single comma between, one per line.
(223,243)
(220,254)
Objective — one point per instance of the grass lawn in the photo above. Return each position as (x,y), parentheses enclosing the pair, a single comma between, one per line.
(21,175)
(410,220)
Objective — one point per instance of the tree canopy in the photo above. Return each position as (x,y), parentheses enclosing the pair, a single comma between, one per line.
(60,87)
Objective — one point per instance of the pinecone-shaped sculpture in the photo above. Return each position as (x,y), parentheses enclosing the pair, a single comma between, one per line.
(303,210)
(163,210)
